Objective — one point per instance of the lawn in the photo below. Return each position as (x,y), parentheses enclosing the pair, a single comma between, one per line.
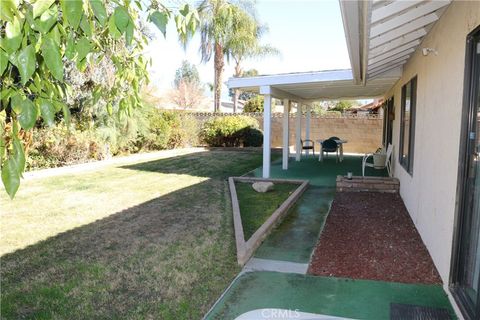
(255,207)
(144,240)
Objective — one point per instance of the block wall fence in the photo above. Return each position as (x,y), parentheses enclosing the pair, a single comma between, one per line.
(364,133)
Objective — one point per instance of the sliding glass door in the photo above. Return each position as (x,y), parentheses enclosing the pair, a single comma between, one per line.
(466,276)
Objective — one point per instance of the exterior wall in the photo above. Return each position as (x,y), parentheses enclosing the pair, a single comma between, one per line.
(430,194)
(363,133)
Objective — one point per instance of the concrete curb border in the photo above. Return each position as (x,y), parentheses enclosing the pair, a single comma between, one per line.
(245,249)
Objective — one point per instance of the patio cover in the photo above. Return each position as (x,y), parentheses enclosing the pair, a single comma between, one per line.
(381,36)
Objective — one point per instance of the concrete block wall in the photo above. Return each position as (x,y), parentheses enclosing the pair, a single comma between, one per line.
(363,133)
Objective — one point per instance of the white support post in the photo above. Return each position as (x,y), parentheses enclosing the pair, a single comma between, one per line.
(286,144)
(267,120)
(307,125)
(298,133)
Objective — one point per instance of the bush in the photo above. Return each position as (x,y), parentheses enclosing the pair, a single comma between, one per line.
(252,137)
(60,146)
(254,104)
(232,131)
(147,129)
(169,129)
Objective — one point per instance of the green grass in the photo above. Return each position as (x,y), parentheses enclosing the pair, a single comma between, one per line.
(255,207)
(146,240)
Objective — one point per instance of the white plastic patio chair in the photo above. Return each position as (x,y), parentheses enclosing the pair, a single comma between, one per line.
(388,163)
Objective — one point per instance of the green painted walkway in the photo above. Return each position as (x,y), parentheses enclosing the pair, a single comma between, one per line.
(358,299)
(295,238)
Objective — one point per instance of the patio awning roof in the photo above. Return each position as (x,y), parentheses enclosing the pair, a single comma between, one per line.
(383,34)
(311,86)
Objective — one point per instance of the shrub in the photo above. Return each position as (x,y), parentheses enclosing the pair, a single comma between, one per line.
(252,137)
(230,131)
(60,146)
(146,129)
(169,129)
(254,104)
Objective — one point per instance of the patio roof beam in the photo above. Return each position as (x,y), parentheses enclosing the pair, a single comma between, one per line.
(292,78)
(392,9)
(403,30)
(380,61)
(407,17)
(351,22)
(387,66)
(279,94)
(392,51)
(378,72)
(412,36)
(392,59)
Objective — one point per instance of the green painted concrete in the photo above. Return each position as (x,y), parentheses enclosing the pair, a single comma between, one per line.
(358,299)
(319,173)
(295,238)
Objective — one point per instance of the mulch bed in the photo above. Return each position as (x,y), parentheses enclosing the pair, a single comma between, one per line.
(371,236)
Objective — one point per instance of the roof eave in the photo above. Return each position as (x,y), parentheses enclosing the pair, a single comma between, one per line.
(355,17)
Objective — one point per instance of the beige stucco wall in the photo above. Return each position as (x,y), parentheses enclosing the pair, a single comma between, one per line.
(430,194)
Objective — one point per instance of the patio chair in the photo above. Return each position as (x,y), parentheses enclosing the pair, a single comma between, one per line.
(334,138)
(387,164)
(308,145)
(330,145)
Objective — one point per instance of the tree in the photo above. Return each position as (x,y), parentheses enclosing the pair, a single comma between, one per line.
(188,90)
(342,105)
(245,95)
(41,39)
(187,73)
(218,23)
(255,104)
(187,95)
(245,43)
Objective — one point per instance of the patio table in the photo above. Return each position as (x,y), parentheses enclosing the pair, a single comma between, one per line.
(340,143)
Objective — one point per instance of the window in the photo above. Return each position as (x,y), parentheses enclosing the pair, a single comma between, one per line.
(407,124)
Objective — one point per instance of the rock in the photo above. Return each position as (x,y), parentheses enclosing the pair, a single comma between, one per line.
(262,186)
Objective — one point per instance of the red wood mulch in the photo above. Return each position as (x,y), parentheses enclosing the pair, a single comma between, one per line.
(371,236)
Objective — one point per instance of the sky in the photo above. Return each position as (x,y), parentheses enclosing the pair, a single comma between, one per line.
(308,33)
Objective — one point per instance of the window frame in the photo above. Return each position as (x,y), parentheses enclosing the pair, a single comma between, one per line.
(388,107)
(407,162)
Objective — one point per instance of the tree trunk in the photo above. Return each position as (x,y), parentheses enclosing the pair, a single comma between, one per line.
(218,65)
(236,92)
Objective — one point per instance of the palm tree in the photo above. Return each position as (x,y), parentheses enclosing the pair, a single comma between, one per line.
(245,43)
(219,22)
(215,22)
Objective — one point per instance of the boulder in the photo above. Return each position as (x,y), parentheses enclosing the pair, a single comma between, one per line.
(262,186)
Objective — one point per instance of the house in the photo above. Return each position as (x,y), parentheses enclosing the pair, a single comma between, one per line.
(374,107)
(423,59)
